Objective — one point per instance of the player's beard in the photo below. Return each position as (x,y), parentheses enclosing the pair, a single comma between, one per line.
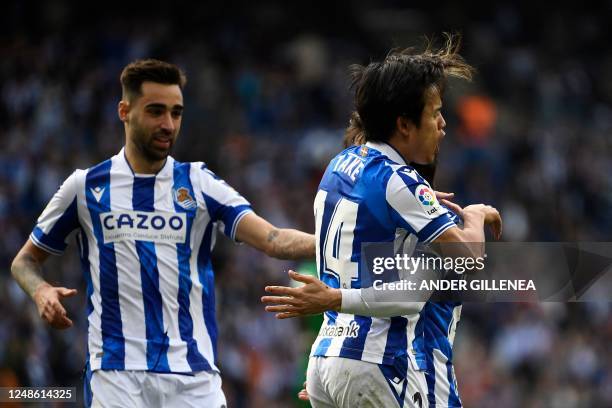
(145,144)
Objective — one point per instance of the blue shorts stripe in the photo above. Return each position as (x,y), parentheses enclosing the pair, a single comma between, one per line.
(393,376)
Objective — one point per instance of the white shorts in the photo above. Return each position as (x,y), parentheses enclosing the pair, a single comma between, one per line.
(112,388)
(336,382)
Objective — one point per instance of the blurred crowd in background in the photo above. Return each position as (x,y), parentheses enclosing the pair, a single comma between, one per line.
(266,104)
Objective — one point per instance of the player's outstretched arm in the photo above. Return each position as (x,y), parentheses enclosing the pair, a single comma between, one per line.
(315,297)
(26,269)
(282,243)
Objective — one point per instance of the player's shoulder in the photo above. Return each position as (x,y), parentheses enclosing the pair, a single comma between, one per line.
(104,164)
(381,166)
(208,181)
(196,168)
(368,157)
(102,168)
(202,170)
(407,174)
(78,176)
(403,181)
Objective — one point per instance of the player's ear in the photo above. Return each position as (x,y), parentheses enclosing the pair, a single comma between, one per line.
(405,126)
(123,109)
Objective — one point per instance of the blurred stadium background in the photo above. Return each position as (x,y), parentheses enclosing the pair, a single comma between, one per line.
(266,104)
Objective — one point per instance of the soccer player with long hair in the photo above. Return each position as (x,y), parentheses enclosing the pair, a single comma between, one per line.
(371,192)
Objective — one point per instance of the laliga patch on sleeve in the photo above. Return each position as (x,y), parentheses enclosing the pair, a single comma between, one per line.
(428,201)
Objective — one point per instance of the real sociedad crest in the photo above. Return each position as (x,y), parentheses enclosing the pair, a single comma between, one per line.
(183,198)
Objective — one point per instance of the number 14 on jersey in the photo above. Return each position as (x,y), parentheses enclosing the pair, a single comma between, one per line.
(335,219)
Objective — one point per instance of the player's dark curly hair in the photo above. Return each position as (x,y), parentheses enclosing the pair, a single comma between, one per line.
(151,70)
(398,85)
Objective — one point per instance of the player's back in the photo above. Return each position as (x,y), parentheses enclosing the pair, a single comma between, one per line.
(368,194)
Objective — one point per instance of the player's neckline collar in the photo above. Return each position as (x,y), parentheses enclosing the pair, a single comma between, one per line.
(388,151)
(162,172)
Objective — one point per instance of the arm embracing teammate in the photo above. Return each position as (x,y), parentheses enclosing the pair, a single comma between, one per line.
(146,226)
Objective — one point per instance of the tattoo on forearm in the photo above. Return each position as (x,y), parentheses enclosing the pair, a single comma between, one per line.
(27,274)
(291,244)
(272,235)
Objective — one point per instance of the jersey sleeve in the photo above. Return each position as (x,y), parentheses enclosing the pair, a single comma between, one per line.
(413,205)
(363,302)
(224,204)
(58,219)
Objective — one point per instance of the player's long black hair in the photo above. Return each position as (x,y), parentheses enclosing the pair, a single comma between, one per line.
(397,86)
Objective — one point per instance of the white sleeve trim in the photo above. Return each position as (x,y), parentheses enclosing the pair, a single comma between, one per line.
(44,247)
(353,302)
(440,231)
(237,220)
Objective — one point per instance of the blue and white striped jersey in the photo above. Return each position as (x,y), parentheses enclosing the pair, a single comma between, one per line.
(369,194)
(145,244)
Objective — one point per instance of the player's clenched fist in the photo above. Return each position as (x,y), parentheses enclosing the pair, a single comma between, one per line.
(50,308)
(492,218)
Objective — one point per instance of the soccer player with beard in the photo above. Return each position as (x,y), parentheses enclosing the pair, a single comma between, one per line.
(370,194)
(146,226)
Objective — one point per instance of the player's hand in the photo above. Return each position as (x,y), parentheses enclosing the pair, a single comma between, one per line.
(303,394)
(492,218)
(441,195)
(313,297)
(48,301)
